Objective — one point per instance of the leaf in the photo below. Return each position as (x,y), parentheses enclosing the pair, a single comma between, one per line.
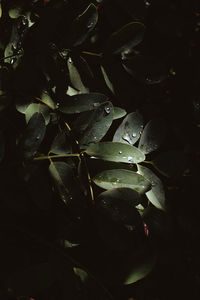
(75,77)
(118,113)
(2,146)
(107,80)
(145,69)
(157,194)
(122,178)
(100,122)
(32,280)
(61,144)
(47,100)
(33,136)
(82,102)
(152,136)
(83,25)
(171,163)
(130,129)
(63,177)
(15,12)
(115,152)
(83,275)
(126,38)
(40,108)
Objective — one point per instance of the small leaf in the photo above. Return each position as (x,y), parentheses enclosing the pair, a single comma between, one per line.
(121,178)
(40,108)
(15,12)
(82,102)
(118,113)
(61,144)
(125,39)
(100,122)
(152,136)
(83,25)
(63,177)
(107,80)
(75,77)
(34,135)
(157,194)
(83,275)
(115,152)
(130,129)
(171,163)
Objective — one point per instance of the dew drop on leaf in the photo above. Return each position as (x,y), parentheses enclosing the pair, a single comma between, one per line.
(107,109)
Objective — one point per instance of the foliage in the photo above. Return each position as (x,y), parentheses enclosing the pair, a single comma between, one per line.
(85,175)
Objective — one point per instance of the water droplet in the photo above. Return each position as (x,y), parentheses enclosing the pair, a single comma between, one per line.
(57,104)
(130,158)
(126,137)
(95,138)
(120,152)
(134,135)
(118,180)
(37,137)
(70,60)
(96,104)
(107,109)
(147,4)
(12,61)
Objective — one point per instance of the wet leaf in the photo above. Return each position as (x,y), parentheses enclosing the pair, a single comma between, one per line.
(122,178)
(40,108)
(152,136)
(145,69)
(83,25)
(100,122)
(130,129)
(107,80)
(62,174)
(126,38)
(82,102)
(157,194)
(115,152)
(61,144)
(75,77)
(171,163)
(118,113)
(33,136)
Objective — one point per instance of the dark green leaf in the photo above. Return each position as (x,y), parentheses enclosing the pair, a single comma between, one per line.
(171,164)
(99,124)
(61,144)
(125,39)
(118,113)
(40,108)
(107,80)
(122,178)
(152,136)
(82,102)
(130,129)
(83,25)
(157,194)
(34,135)
(75,77)
(115,152)
(63,177)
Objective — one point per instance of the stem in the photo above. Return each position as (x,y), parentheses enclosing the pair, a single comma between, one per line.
(92,53)
(148,162)
(57,156)
(47,104)
(10,56)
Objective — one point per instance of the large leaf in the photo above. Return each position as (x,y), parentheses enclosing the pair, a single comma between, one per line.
(83,25)
(82,102)
(122,178)
(63,177)
(115,152)
(152,136)
(171,163)
(61,144)
(130,129)
(157,194)
(40,108)
(100,122)
(145,69)
(125,39)
(75,77)
(34,135)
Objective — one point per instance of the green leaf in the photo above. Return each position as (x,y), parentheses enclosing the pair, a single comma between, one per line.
(157,194)
(33,136)
(107,80)
(82,102)
(83,275)
(118,113)
(152,136)
(47,100)
(115,152)
(83,25)
(63,177)
(171,163)
(2,146)
(145,69)
(100,122)
(15,12)
(61,144)
(130,129)
(122,178)
(75,77)
(126,38)
(40,108)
